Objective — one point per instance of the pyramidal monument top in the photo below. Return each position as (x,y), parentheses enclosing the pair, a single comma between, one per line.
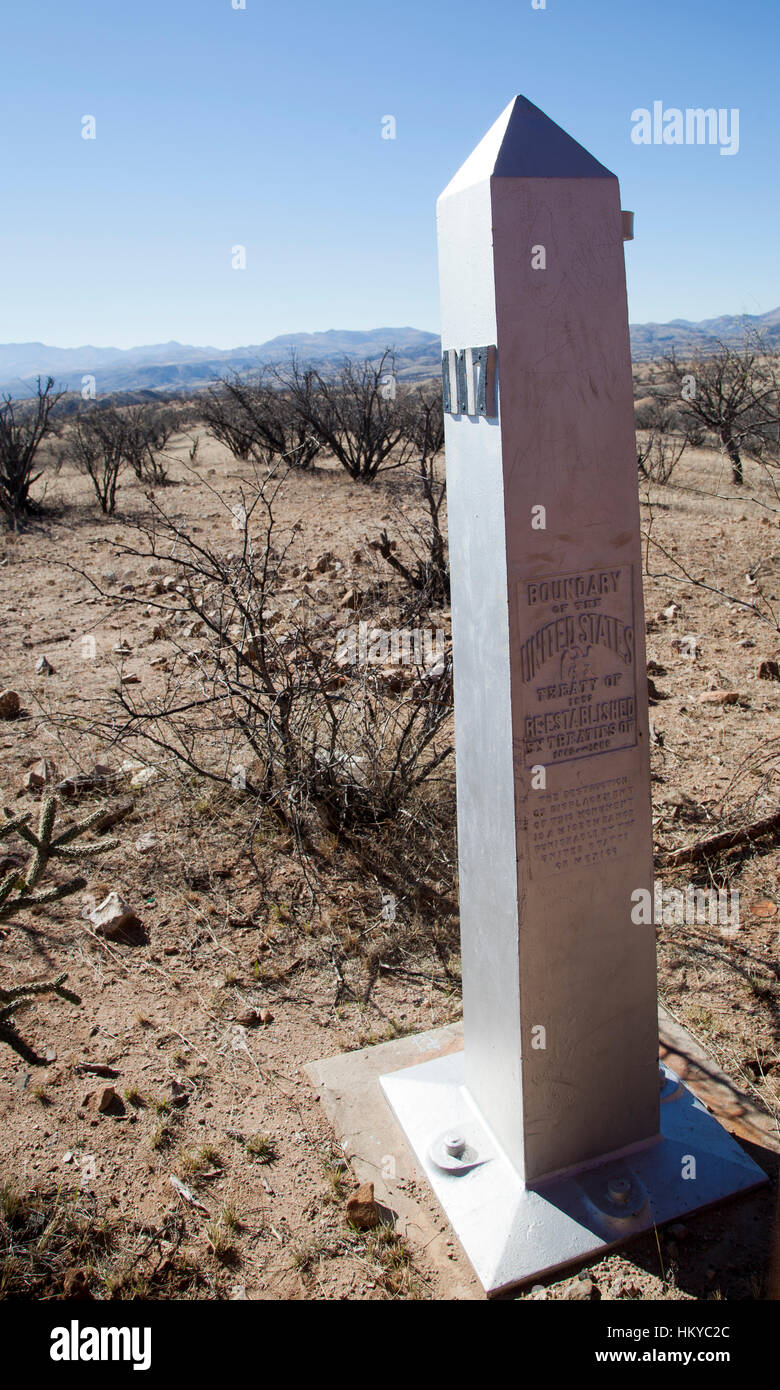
(525,144)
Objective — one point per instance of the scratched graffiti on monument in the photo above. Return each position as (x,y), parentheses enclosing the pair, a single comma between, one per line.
(577,665)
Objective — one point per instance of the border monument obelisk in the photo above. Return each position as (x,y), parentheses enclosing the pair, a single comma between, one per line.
(552,1134)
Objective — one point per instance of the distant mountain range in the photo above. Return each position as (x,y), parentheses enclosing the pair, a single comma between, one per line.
(166,368)
(171,367)
(655,339)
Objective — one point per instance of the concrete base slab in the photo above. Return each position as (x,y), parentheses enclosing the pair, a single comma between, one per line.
(511,1233)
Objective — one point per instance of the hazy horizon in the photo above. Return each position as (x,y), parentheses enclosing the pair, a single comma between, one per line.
(216,128)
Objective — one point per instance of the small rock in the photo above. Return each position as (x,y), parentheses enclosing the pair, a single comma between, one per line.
(113,916)
(40,775)
(103,1102)
(769,671)
(580,1289)
(146,842)
(250,1018)
(720,697)
(107,1100)
(178,1095)
(362,1210)
(43,667)
(679,1231)
(138,774)
(10,704)
(351,599)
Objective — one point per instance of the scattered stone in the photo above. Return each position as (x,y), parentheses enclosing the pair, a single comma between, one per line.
(108,1101)
(654,668)
(113,917)
(580,1289)
(103,1102)
(178,1095)
(769,671)
(351,599)
(653,693)
(40,775)
(10,704)
(43,667)
(146,842)
(362,1211)
(721,697)
(97,1069)
(139,774)
(250,1018)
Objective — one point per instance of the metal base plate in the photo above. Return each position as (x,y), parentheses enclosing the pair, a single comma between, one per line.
(512,1233)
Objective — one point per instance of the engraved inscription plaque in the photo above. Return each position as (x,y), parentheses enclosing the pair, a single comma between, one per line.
(577,664)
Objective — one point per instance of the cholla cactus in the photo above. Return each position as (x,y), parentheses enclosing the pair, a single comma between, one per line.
(17,891)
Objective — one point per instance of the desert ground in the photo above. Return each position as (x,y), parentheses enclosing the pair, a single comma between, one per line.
(340,946)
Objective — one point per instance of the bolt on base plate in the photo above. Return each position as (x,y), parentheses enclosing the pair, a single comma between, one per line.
(512,1233)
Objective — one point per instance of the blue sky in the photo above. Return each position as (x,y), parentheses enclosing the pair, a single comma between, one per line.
(262,127)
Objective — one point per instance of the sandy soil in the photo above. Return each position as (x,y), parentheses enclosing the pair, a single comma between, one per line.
(223,1106)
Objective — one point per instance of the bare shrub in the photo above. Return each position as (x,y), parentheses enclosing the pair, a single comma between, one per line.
(728,392)
(96,446)
(23,427)
(662,445)
(356,411)
(147,430)
(257,420)
(269,705)
(427,573)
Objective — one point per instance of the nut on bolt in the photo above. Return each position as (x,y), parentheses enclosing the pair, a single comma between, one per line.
(618,1190)
(455,1145)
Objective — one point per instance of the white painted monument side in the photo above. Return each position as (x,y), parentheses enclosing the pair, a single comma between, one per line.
(559,984)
